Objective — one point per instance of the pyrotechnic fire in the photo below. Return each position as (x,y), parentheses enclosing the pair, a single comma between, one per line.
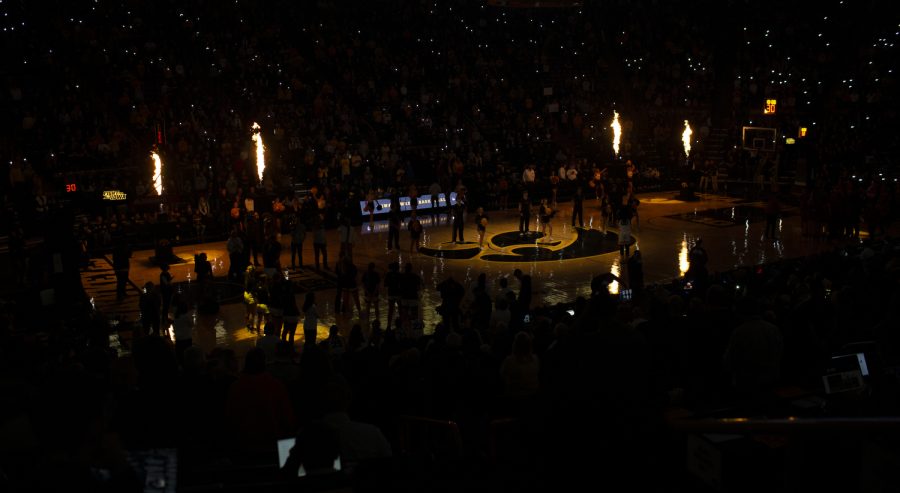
(260,151)
(617,132)
(683,264)
(157,172)
(686,138)
(616,270)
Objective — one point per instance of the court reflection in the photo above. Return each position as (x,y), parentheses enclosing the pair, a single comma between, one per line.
(665,243)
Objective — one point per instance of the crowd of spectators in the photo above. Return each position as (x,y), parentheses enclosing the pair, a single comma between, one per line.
(553,374)
(356,100)
(375,99)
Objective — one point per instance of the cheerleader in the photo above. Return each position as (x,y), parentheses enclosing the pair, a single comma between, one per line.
(415,232)
(262,302)
(632,203)
(481,222)
(250,296)
(545,214)
(370,208)
(605,213)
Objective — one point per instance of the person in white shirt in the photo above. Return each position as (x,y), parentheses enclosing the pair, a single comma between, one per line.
(528,176)
(500,314)
(269,341)
(40,203)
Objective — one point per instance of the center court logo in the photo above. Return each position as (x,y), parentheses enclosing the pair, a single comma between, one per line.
(510,247)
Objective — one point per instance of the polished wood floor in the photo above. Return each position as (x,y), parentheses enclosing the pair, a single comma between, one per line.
(732,231)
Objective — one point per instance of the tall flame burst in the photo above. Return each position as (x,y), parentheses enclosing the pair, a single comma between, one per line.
(616,270)
(617,132)
(686,138)
(260,151)
(157,172)
(683,263)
